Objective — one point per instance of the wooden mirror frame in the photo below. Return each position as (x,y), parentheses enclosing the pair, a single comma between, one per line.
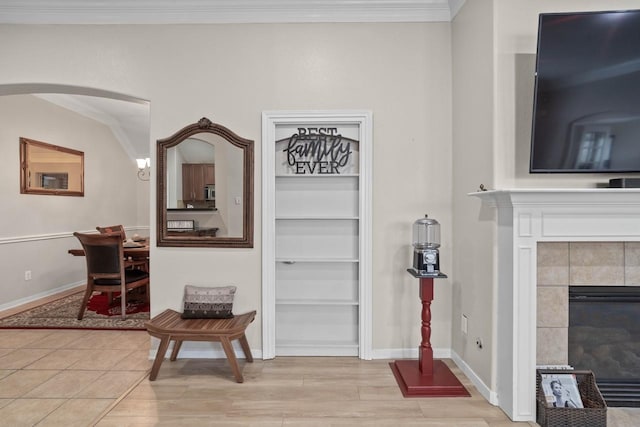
(205,125)
(25,169)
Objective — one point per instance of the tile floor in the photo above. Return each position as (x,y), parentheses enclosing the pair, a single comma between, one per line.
(85,378)
(67,377)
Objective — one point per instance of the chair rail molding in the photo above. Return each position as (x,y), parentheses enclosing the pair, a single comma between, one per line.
(524,218)
(52,236)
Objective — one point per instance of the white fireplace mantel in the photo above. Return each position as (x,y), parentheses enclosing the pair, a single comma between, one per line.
(524,217)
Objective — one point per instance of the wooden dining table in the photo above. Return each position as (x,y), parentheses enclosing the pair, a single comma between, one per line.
(129,252)
(142,252)
(136,257)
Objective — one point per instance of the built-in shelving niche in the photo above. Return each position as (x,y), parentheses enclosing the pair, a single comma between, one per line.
(316,251)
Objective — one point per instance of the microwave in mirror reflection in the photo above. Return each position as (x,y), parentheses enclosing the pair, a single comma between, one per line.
(210,192)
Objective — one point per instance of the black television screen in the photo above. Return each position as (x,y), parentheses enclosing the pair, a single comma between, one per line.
(586,115)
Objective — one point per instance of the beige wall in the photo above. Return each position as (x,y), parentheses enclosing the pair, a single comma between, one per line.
(401,72)
(473,117)
(33,227)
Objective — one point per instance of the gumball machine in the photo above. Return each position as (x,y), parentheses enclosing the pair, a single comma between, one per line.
(426,241)
(426,377)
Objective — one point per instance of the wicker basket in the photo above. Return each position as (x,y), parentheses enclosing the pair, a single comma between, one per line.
(594,413)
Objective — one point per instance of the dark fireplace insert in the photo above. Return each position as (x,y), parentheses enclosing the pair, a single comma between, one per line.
(604,337)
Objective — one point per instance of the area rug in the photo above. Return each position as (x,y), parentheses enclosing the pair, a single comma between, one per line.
(63,313)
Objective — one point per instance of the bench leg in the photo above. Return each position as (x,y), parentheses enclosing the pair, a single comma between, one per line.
(162,349)
(176,348)
(245,347)
(231,356)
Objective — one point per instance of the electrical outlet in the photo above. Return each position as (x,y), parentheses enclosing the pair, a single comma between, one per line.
(27,275)
(238,200)
(464,324)
(479,343)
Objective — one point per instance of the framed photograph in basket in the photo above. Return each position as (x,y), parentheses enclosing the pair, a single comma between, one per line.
(561,391)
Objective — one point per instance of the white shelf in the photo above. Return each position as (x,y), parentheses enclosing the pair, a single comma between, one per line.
(315,281)
(315,302)
(316,248)
(317,239)
(325,197)
(322,324)
(295,260)
(299,348)
(308,176)
(315,217)
(312,343)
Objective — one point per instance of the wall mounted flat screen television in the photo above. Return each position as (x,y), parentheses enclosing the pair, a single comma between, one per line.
(586,115)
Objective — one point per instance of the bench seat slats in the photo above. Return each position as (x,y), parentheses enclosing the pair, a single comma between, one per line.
(170,326)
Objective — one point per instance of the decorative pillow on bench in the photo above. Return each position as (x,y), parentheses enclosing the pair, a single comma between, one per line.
(208,303)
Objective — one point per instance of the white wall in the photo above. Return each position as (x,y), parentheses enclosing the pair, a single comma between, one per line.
(401,72)
(35,231)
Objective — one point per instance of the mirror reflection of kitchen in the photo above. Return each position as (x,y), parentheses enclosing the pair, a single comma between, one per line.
(204,184)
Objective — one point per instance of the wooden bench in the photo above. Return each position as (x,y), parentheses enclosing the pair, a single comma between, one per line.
(169,326)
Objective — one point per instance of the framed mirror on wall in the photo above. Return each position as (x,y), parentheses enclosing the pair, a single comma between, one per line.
(50,169)
(205,188)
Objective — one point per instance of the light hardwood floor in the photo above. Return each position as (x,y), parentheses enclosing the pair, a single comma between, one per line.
(83,378)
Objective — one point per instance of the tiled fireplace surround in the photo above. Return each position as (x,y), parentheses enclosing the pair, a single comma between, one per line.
(564,264)
(570,228)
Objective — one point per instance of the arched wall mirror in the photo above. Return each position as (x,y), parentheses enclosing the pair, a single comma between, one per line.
(205,188)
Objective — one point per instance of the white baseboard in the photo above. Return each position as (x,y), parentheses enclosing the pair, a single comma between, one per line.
(45,294)
(486,392)
(207,350)
(442,353)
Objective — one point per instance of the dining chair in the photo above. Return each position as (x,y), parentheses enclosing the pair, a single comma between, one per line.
(142,263)
(106,270)
(113,229)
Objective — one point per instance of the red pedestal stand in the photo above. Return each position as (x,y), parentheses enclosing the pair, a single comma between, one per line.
(426,377)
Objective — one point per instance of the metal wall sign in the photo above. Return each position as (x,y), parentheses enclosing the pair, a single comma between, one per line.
(317,150)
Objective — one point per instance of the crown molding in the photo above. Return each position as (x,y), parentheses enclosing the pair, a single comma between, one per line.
(221,11)
(455,6)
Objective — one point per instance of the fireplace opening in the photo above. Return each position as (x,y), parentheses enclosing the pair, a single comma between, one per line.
(604,337)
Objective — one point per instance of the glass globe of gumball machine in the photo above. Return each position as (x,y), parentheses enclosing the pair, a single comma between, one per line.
(426,241)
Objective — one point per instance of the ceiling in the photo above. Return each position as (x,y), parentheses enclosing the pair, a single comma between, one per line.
(129,121)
